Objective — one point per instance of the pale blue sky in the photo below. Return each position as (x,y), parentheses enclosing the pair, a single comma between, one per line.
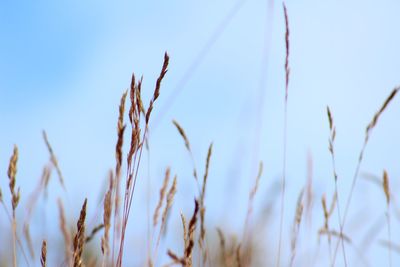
(65,64)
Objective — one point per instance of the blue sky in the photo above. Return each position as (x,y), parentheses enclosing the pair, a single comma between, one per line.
(65,64)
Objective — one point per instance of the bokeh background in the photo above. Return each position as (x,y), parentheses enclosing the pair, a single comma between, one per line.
(65,64)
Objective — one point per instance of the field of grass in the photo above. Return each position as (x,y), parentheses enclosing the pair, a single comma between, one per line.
(320,232)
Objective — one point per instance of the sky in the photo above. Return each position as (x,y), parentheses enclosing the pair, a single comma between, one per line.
(65,64)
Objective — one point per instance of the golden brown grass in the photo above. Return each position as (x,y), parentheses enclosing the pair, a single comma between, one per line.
(107,206)
(79,238)
(137,144)
(118,155)
(15,196)
(386,190)
(43,255)
(230,251)
(187,259)
(231,254)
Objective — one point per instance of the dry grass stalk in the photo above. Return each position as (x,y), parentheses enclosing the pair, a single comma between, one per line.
(15,196)
(79,239)
(296,225)
(162,195)
(46,174)
(188,148)
(132,96)
(326,229)
(202,197)
(335,234)
(133,170)
(53,160)
(33,198)
(238,256)
(386,190)
(27,234)
(252,194)
(186,259)
(118,156)
(374,121)
(191,230)
(332,137)
(326,213)
(12,171)
(222,245)
(134,118)
(385,185)
(169,201)
(158,86)
(94,232)
(183,135)
(346,238)
(175,258)
(11,222)
(183,219)
(309,194)
(43,254)
(287,73)
(107,207)
(368,132)
(107,224)
(118,150)
(65,232)
(140,106)
(287,43)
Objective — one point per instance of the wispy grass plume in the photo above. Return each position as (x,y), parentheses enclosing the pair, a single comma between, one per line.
(182,133)
(368,131)
(53,159)
(332,138)
(296,225)
(79,239)
(133,168)
(287,74)
(15,196)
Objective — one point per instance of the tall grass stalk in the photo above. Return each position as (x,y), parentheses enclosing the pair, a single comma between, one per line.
(287,72)
(332,138)
(368,132)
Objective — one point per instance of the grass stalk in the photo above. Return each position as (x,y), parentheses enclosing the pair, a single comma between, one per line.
(283,186)
(368,132)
